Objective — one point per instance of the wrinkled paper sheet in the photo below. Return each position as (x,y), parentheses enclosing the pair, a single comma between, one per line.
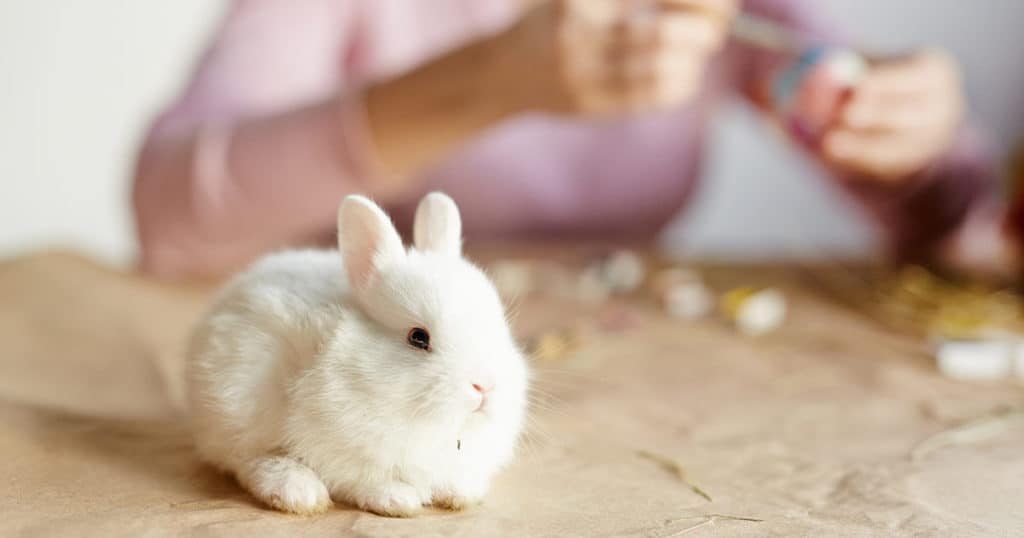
(809,430)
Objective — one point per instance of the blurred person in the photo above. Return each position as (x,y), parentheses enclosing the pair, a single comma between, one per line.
(544,119)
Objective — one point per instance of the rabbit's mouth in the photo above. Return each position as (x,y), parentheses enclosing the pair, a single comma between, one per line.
(484,405)
(483,412)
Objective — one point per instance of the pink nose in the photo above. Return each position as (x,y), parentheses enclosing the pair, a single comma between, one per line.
(482,389)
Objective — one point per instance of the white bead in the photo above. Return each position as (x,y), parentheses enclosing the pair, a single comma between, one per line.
(761,313)
(512,278)
(977,359)
(624,271)
(591,287)
(688,300)
(1018,359)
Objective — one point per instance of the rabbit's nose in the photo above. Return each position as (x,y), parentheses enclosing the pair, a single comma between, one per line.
(483,389)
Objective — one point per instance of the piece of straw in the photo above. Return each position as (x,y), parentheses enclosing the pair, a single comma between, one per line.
(975,431)
(675,468)
(709,519)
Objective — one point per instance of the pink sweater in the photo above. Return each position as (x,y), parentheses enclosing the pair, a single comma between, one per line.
(252,157)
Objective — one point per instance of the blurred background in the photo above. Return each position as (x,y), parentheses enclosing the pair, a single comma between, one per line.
(83,79)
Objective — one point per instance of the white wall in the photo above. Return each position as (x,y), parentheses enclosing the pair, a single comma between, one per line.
(80,79)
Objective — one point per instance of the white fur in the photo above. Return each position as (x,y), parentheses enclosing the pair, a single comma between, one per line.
(302,384)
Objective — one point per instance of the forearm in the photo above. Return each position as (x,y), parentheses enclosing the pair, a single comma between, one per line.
(416,118)
(210,198)
(919,214)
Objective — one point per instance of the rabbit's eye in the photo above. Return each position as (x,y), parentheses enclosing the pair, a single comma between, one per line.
(419,338)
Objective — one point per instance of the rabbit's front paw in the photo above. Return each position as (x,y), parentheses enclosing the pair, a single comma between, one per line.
(454,501)
(287,485)
(460,496)
(395,499)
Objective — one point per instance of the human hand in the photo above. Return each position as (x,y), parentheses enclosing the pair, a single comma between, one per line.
(900,117)
(615,56)
(985,246)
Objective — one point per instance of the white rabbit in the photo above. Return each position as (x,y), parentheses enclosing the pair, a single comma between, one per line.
(380,377)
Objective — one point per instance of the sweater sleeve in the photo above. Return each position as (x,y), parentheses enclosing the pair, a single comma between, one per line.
(256,152)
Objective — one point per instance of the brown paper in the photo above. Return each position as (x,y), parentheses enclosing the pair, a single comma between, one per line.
(808,429)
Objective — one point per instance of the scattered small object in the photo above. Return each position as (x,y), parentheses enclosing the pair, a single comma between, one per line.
(689,301)
(975,431)
(682,293)
(956,324)
(555,280)
(978,329)
(458,444)
(978,358)
(591,287)
(928,305)
(513,278)
(619,317)
(1018,361)
(623,271)
(666,278)
(675,468)
(709,519)
(619,272)
(754,311)
(555,345)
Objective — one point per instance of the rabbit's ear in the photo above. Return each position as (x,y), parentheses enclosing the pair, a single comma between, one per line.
(437,227)
(367,239)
